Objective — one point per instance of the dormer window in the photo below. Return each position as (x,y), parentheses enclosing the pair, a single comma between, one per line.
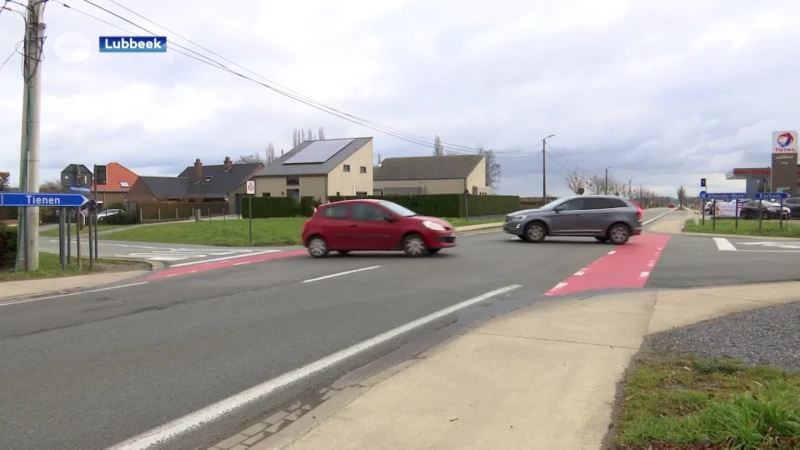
(124,184)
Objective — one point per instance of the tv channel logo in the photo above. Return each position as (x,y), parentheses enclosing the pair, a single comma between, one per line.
(133,44)
(72,47)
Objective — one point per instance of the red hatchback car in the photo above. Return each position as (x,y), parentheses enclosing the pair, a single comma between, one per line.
(374,225)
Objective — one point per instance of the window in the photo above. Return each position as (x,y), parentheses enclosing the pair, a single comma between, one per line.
(124,184)
(573,205)
(363,169)
(347,168)
(335,212)
(367,212)
(602,203)
(397,209)
(292,181)
(266,194)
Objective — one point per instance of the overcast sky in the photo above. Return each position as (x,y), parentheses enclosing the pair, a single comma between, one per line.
(663,92)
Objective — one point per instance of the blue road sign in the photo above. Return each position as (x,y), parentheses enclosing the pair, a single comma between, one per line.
(723,195)
(769,195)
(24,199)
(85,188)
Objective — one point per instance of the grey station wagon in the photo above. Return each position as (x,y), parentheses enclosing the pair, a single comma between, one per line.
(606,218)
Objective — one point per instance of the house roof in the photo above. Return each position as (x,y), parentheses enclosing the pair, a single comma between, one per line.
(217,182)
(427,167)
(279,169)
(166,187)
(118,178)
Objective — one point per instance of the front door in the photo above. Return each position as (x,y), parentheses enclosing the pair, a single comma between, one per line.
(337,227)
(569,219)
(372,231)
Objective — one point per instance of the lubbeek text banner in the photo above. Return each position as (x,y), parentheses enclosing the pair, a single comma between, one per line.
(133,44)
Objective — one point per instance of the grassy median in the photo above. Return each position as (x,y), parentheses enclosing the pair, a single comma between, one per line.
(746,227)
(50,267)
(683,402)
(101,227)
(233,233)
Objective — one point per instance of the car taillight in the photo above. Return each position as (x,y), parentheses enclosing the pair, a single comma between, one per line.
(639,212)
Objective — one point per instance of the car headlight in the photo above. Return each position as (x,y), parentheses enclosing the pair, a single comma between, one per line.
(515,218)
(432,226)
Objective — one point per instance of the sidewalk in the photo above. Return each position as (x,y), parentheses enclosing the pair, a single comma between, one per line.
(11,290)
(541,378)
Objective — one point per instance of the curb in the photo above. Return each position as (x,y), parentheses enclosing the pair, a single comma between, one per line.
(479,227)
(739,236)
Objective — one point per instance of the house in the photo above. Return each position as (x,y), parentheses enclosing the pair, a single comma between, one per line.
(225,182)
(453,174)
(320,169)
(119,180)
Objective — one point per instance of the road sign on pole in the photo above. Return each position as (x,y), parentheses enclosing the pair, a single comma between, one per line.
(723,195)
(251,187)
(83,188)
(26,199)
(769,195)
(702,182)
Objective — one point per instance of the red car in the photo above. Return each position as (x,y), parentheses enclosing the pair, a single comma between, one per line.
(374,225)
(672,205)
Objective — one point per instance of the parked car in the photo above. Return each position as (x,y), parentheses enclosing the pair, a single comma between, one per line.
(102,215)
(793,204)
(606,218)
(754,209)
(374,225)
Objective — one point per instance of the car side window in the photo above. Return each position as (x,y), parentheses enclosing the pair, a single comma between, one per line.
(602,203)
(335,212)
(367,212)
(576,204)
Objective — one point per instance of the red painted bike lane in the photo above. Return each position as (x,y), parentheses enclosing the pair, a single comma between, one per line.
(626,267)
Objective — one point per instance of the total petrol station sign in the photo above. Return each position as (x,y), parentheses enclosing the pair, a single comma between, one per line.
(784,142)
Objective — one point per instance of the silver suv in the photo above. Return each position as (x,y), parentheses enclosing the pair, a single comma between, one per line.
(607,218)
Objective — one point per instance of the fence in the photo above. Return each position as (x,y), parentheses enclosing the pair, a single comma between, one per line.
(174,211)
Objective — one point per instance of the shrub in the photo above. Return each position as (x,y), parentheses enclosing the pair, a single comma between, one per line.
(8,246)
(123,218)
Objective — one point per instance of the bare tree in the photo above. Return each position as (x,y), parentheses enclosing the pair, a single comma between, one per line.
(5,181)
(681,196)
(295,138)
(576,181)
(303,136)
(493,169)
(270,153)
(311,135)
(321,134)
(438,148)
(598,184)
(52,186)
(247,159)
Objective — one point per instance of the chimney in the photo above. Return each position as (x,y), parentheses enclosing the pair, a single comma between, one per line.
(198,170)
(228,163)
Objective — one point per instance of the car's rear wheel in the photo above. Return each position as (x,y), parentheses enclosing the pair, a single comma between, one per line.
(414,246)
(317,247)
(601,239)
(534,232)
(619,234)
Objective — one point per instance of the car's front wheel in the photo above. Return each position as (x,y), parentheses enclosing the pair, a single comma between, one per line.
(534,232)
(317,247)
(414,246)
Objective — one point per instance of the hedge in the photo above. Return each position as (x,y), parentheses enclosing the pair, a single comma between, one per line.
(8,247)
(149,211)
(452,205)
(264,207)
(8,213)
(123,218)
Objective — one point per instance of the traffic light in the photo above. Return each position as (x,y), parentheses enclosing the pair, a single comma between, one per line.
(100,175)
(702,182)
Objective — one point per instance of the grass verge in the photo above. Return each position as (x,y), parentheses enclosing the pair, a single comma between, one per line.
(100,228)
(745,228)
(675,401)
(50,267)
(233,233)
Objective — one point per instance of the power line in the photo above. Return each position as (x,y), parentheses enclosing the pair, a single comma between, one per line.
(16,50)
(285,91)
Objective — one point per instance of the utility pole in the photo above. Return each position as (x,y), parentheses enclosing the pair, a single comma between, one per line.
(544,167)
(31,104)
(606,183)
(630,189)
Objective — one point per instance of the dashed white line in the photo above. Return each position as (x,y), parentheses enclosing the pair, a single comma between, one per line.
(644,274)
(580,273)
(198,418)
(724,245)
(12,302)
(224,258)
(243,263)
(612,252)
(339,274)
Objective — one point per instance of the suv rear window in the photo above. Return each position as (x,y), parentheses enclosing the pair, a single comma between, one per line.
(604,203)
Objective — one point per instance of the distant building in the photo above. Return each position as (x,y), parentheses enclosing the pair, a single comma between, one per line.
(419,175)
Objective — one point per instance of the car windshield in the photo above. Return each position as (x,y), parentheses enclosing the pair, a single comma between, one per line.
(770,204)
(554,203)
(397,209)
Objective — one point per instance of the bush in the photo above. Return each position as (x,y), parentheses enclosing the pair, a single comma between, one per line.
(8,213)
(8,247)
(452,205)
(123,218)
(264,207)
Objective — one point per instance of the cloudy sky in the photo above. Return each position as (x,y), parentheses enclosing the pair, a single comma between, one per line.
(662,92)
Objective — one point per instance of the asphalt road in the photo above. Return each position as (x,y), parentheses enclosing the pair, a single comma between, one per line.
(89,371)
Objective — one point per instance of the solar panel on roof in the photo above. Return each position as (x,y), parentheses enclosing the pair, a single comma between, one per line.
(319,151)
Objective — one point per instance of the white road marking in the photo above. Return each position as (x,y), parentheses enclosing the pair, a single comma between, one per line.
(12,302)
(223,259)
(644,274)
(223,407)
(339,274)
(559,286)
(658,217)
(612,252)
(241,264)
(580,272)
(724,245)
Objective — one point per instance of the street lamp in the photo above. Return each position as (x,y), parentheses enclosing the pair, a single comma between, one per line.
(544,167)
(606,183)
